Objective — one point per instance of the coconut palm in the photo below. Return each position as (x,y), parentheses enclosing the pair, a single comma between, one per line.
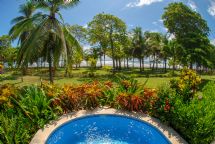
(50,39)
(153,41)
(20,30)
(138,45)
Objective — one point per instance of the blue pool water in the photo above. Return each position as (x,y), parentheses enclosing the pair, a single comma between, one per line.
(106,129)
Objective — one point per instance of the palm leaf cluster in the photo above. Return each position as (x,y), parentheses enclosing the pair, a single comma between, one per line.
(43,35)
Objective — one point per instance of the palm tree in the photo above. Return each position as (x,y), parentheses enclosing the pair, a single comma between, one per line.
(50,39)
(138,45)
(154,44)
(20,30)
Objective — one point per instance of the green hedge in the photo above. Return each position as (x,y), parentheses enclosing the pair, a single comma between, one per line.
(195,120)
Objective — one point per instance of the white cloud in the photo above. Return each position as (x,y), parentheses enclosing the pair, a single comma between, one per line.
(85,26)
(86,47)
(211,9)
(140,3)
(171,37)
(192,4)
(213,42)
(160,20)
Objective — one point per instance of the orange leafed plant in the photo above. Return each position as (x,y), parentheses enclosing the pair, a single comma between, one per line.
(82,96)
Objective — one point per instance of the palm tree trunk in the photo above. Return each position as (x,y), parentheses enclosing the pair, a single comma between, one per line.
(153,66)
(143,63)
(133,62)
(165,61)
(100,60)
(112,49)
(116,62)
(104,59)
(140,64)
(120,64)
(191,65)
(50,66)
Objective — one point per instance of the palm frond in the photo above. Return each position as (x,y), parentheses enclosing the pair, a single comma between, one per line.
(24,25)
(17,19)
(29,49)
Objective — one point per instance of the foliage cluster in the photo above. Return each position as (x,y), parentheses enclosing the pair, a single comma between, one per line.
(192,117)
(23,111)
(30,108)
(187,84)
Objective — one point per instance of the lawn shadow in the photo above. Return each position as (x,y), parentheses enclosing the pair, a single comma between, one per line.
(204,83)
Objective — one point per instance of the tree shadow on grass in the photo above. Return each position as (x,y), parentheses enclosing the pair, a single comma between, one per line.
(204,83)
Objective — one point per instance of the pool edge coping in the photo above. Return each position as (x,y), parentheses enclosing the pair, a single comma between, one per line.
(42,135)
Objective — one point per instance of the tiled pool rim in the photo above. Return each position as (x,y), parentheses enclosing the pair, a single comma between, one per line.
(42,135)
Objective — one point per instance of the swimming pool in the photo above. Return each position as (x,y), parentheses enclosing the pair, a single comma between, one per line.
(106,129)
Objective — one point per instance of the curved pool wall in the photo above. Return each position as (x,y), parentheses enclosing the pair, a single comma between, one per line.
(42,135)
(107,129)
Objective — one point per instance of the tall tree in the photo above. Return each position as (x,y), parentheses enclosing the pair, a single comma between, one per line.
(5,43)
(154,43)
(80,33)
(190,30)
(165,51)
(105,29)
(175,51)
(138,45)
(21,31)
(50,38)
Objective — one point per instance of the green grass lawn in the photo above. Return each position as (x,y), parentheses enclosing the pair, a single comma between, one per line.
(152,79)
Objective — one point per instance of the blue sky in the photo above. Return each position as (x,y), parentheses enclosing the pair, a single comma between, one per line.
(144,13)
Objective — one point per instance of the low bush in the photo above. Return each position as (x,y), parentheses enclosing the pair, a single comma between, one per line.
(165,103)
(15,129)
(7,91)
(196,120)
(187,84)
(85,96)
(35,105)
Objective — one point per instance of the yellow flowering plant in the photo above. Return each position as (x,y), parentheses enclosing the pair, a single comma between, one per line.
(7,91)
(187,84)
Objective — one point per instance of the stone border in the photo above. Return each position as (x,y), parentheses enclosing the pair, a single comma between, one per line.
(42,135)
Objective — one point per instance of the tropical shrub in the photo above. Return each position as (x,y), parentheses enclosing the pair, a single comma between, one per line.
(109,94)
(130,102)
(6,91)
(165,103)
(132,96)
(36,106)
(15,129)
(85,96)
(92,61)
(195,120)
(187,84)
